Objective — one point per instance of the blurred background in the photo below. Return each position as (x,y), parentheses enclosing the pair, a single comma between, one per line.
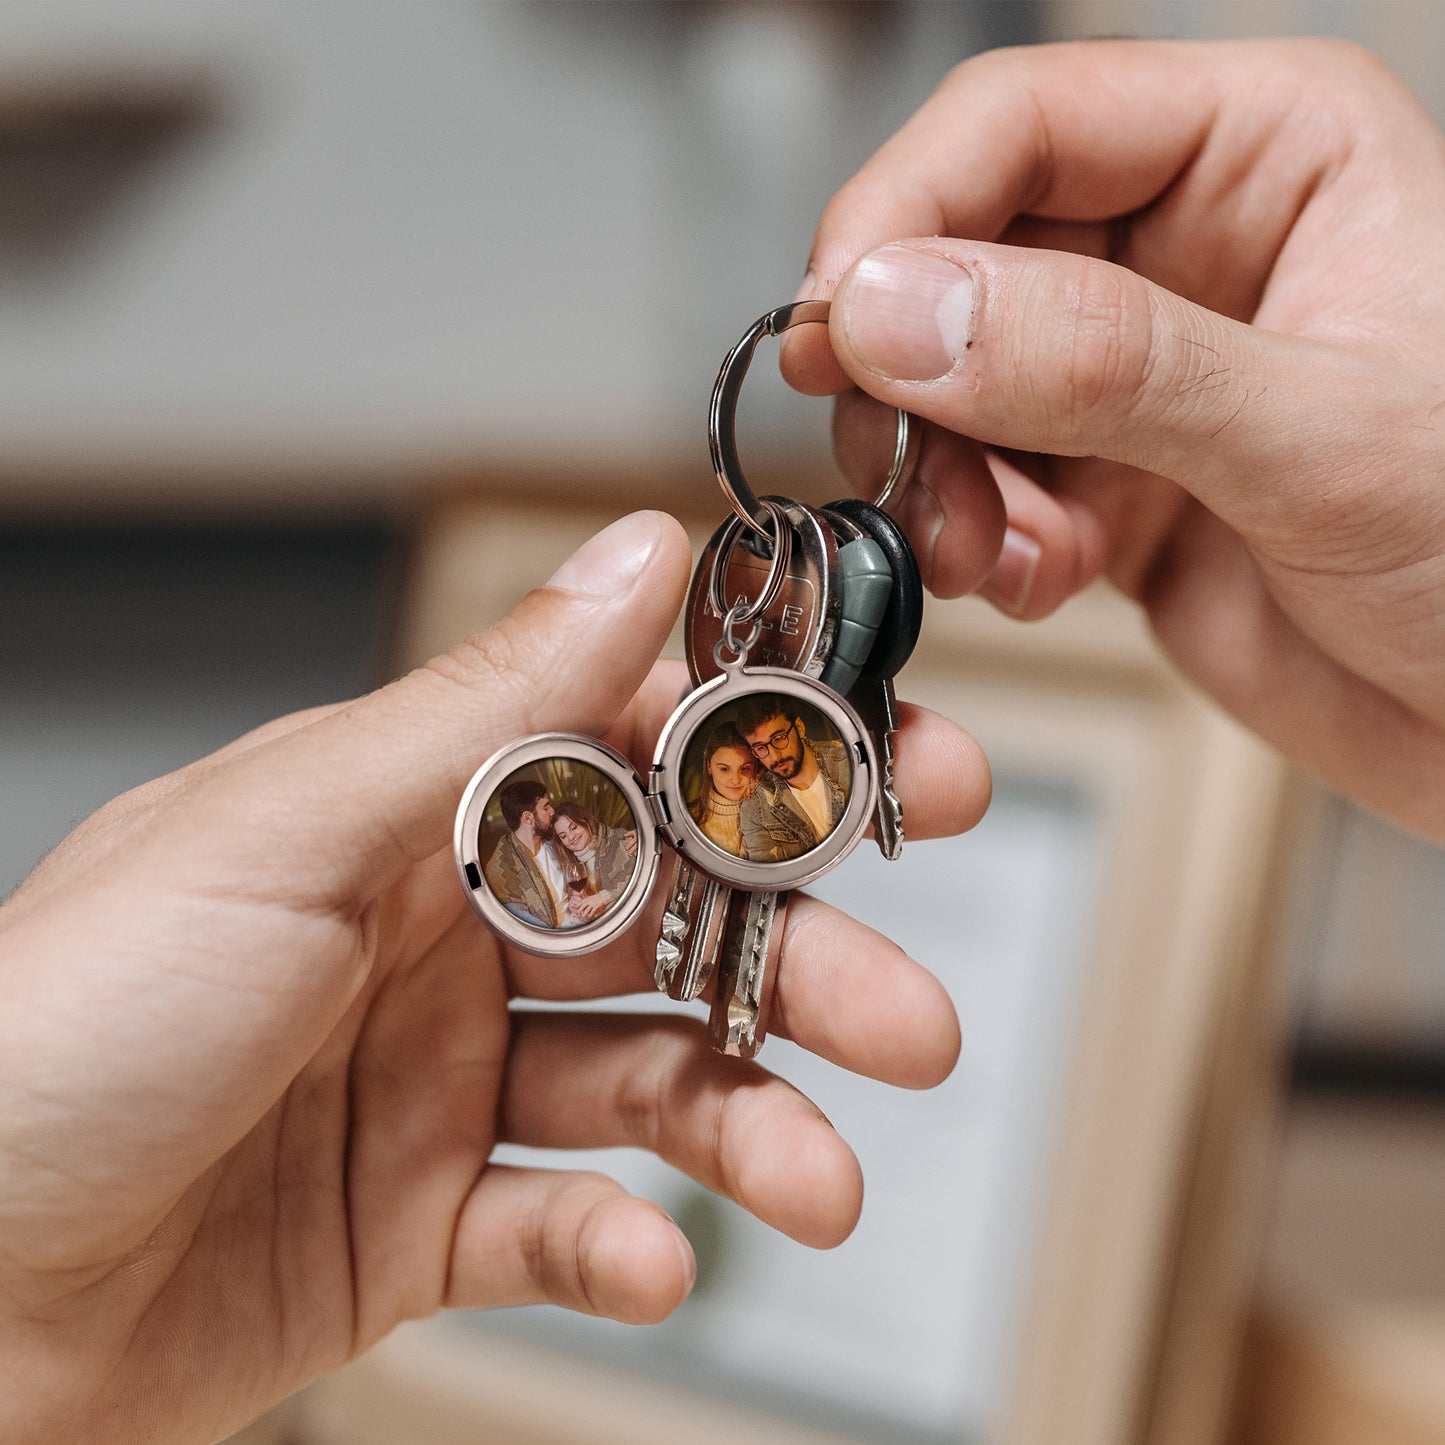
(283,286)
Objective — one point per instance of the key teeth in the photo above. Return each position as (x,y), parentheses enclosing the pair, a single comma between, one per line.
(742,1036)
(669,955)
(890,840)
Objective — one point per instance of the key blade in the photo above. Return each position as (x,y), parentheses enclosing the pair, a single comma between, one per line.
(690,934)
(747,973)
(706,942)
(877,705)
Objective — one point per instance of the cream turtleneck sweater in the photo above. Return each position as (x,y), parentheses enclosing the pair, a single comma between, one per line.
(722,825)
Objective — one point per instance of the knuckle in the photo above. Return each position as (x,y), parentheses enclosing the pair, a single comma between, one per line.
(1001,60)
(966,72)
(1336,93)
(1108,351)
(641,1105)
(490,663)
(554,1239)
(480,661)
(1327,58)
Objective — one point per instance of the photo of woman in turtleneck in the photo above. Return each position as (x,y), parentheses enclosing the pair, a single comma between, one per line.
(729,775)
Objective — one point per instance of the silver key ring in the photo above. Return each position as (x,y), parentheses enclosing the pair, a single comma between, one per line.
(723,409)
(780,538)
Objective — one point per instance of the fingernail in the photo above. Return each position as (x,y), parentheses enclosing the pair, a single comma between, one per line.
(921,516)
(908,314)
(689,1259)
(609,562)
(1011,583)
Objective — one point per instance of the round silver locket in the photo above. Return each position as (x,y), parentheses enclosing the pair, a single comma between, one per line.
(542,840)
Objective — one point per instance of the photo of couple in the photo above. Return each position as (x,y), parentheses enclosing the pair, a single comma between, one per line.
(558,861)
(767,781)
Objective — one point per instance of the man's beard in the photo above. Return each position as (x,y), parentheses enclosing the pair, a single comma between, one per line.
(786,768)
(547,833)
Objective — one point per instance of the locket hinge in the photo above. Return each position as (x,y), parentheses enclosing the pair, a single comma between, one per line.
(657,806)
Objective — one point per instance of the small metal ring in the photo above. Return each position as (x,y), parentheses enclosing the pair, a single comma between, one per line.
(781,540)
(723,409)
(728,642)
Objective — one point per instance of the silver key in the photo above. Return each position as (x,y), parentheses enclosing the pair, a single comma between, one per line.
(799,625)
(747,972)
(691,933)
(877,705)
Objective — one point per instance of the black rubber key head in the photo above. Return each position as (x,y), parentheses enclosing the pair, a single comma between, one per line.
(902,622)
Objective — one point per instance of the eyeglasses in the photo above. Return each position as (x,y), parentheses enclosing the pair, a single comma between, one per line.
(774,744)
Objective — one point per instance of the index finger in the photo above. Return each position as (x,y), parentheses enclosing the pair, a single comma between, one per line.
(1079,132)
(844,991)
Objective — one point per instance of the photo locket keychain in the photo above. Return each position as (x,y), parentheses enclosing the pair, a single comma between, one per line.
(570,773)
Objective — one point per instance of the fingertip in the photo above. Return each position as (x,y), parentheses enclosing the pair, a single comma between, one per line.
(616,558)
(798,1173)
(1019,585)
(638,1264)
(829,1171)
(805,355)
(1047,559)
(807,363)
(944,772)
(938,1036)
(1091,540)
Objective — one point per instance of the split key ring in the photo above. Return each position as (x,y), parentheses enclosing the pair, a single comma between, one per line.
(722,420)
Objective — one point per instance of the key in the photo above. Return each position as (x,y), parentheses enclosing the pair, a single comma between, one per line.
(799,626)
(692,932)
(873,694)
(877,705)
(866,587)
(747,972)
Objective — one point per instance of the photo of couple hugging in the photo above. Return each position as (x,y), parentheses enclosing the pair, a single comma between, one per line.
(771,783)
(557,863)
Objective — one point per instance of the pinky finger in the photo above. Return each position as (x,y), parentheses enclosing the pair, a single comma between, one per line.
(569,1238)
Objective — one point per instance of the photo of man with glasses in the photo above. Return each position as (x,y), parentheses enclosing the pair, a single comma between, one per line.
(801,795)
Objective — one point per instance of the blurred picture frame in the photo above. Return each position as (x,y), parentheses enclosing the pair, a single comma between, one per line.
(1148,1154)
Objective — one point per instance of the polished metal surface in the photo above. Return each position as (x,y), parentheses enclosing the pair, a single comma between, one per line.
(466,844)
(747,973)
(798,625)
(747,609)
(877,705)
(691,933)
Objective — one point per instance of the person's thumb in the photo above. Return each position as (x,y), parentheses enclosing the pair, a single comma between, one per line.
(1058,353)
(209,958)
(344,804)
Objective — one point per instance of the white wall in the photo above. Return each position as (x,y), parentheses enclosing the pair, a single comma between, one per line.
(431,232)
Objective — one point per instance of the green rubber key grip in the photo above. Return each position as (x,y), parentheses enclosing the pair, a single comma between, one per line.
(866,583)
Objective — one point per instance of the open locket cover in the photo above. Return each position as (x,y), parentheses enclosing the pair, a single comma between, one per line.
(582,776)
